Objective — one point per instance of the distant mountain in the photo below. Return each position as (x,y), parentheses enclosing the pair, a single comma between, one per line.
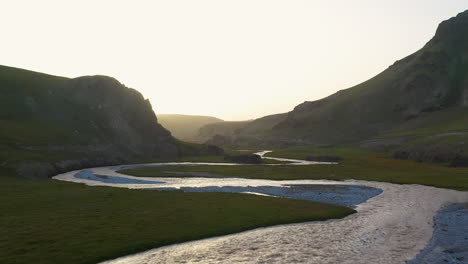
(419,104)
(239,133)
(185,127)
(51,124)
(224,129)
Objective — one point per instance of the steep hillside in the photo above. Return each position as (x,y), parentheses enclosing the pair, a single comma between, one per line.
(419,100)
(432,79)
(225,129)
(185,127)
(49,124)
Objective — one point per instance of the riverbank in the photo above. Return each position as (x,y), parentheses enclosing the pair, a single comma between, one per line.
(49,221)
(331,192)
(390,228)
(357,164)
(449,242)
(394,225)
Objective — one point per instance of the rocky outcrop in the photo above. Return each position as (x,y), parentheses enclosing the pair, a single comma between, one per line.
(52,124)
(453,158)
(459,161)
(424,155)
(120,116)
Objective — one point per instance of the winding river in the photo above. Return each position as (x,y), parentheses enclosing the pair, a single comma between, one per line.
(393,222)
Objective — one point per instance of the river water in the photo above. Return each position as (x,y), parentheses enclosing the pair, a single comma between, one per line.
(392,224)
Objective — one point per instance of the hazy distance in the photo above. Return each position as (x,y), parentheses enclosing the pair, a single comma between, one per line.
(234,60)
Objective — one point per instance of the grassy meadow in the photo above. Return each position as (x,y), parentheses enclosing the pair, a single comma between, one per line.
(48,221)
(357,164)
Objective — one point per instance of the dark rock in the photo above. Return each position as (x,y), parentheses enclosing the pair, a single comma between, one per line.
(459,161)
(400,154)
(453,28)
(324,158)
(433,155)
(211,150)
(246,159)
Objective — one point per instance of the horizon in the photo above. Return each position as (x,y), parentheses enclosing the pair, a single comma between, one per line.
(202,59)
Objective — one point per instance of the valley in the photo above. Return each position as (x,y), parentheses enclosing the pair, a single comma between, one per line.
(376,173)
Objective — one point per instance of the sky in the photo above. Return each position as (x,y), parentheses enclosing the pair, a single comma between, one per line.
(234,60)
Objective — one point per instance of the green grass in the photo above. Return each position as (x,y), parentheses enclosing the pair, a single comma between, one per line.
(357,164)
(433,123)
(47,221)
(212,158)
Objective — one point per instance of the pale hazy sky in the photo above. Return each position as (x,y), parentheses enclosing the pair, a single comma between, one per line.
(230,59)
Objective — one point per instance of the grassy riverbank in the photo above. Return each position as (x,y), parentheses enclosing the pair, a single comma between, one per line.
(357,164)
(210,159)
(48,221)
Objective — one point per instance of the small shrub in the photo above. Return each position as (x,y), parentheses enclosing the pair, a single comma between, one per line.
(245,159)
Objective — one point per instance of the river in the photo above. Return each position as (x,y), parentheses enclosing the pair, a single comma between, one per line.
(393,222)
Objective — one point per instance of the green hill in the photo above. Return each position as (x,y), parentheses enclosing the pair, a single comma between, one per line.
(50,124)
(418,104)
(213,133)
(185,127)
(431,80)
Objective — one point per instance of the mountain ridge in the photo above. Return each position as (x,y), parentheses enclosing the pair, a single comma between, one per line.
(433,81)
(51,124)
(186,127)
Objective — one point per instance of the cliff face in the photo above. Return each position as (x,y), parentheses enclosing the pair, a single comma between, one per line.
(120,116)
(52,124)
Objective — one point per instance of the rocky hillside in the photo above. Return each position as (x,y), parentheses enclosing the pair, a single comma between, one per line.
(185,127)
(50,124)
(432,79)
(417,104)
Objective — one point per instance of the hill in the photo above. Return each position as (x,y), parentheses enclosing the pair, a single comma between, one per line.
(216,133)
(239,134)
(50,124)
(185,127)
(431,80)
(418,104)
